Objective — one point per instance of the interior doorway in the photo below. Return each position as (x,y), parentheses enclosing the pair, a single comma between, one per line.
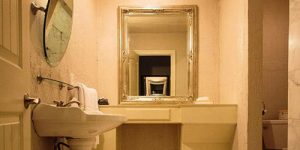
(275,73)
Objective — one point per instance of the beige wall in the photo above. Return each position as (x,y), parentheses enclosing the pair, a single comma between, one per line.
(79,62)
(275,56)
(108,45)
(166,41)
(232,28)
(294,76)
(241,67)
(233,64)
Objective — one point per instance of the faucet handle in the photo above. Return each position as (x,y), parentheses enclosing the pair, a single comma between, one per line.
(58,103)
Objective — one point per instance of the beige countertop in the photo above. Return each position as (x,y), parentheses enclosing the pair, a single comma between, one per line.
(166,105)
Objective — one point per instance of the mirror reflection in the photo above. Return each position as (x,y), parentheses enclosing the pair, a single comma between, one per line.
(57,29)
(157,54)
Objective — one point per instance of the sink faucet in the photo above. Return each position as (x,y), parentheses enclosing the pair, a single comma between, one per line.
(61,103)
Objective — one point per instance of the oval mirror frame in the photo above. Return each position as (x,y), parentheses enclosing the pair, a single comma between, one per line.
(58,14)
(192,54)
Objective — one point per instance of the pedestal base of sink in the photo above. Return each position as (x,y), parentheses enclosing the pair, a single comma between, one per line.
(81,144)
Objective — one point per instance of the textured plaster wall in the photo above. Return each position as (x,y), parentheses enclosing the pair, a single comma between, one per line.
(241,67)
(294,76)
(275,56)
(208,44)
(232,44)
(78,65)
(166,41)
(233,64)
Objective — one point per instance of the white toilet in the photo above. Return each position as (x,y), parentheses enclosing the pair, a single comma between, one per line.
(275,134)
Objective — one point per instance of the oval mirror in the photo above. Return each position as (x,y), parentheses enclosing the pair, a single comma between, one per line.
(57,29)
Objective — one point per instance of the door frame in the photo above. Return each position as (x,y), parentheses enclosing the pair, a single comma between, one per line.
(172,54)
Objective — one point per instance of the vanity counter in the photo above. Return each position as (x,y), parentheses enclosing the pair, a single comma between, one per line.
(208,126)
(166,105)
(179,113)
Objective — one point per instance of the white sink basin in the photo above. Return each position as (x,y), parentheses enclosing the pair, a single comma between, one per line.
(72,122)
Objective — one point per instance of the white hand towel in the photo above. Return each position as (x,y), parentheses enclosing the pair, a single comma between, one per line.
(88,97)
(91,100)
(81,98)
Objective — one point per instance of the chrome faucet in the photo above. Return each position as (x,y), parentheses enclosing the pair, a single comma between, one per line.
(61,103)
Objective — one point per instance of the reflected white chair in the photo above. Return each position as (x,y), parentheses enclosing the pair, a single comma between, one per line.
(156,81)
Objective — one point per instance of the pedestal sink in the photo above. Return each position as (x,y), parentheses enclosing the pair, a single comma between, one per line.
(78,126)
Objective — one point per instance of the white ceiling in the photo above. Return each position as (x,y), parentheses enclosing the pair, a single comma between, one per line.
(157,23)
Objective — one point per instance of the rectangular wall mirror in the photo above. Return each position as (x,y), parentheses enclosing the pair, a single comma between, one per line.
(158,54)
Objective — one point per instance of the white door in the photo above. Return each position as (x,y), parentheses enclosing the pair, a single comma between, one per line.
(14,74)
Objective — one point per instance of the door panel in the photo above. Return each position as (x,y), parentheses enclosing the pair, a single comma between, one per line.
(10,31)
(14,74)
(10,133)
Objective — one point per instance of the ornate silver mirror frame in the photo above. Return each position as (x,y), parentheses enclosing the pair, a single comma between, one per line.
(192,53)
